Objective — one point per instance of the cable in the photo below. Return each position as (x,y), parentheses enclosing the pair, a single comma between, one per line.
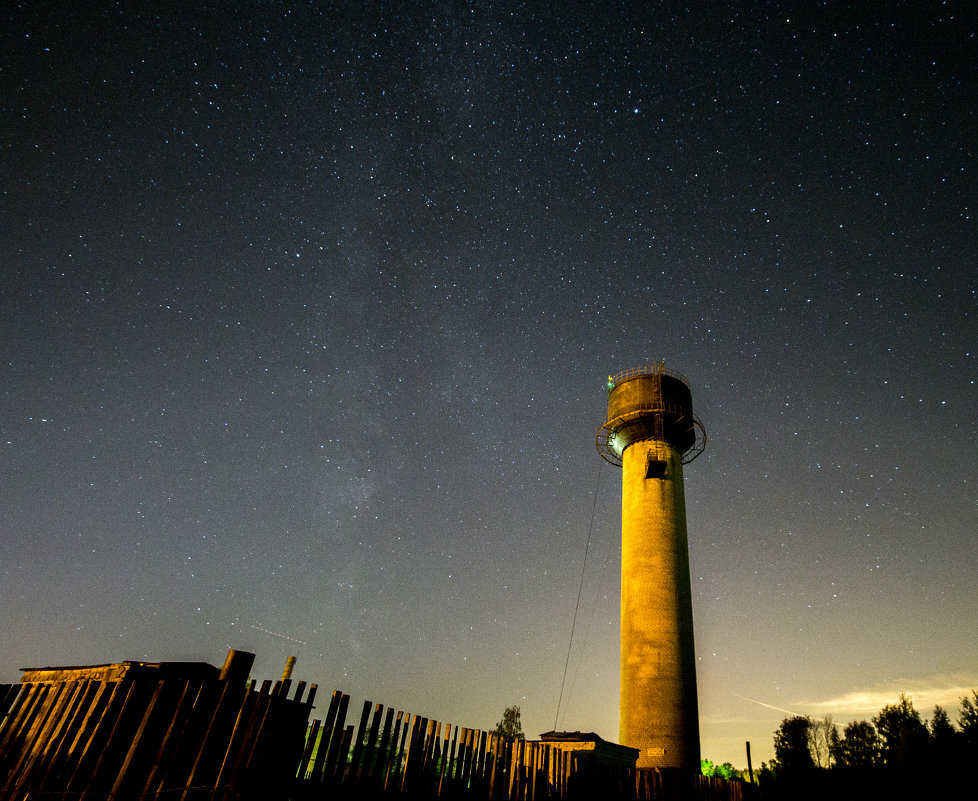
(580,589)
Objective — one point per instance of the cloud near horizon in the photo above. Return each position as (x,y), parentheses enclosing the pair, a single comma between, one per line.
(925,693)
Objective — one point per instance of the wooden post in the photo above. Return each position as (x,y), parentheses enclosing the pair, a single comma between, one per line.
(58,759)
(368,753)
(382,755)
(336,757)
(225,700)
(41,741)
(237,666)
(136,740)
(483,763)
(358,745)
(23,719)
(164,761)
(344,752)
(415,752)
(92,753)
(446,757)
(431,752)
(327,730)
(396,749)
(304,766)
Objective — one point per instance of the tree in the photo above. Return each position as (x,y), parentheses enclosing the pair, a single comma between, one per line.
(903,734)
(942,733)
(724,771)
(820,733)
(946,745)
(765,775)
(968,720)
(858,748)
(510,726)
(791,746)
(728,771)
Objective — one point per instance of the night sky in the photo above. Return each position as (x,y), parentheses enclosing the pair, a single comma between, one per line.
(308,310)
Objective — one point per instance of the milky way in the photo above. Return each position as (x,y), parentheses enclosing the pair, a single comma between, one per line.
(307,313)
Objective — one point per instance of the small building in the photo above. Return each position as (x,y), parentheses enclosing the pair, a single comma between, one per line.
(120,670)
(236,666)
(588,745)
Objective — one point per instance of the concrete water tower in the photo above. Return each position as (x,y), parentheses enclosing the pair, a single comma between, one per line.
(651,433)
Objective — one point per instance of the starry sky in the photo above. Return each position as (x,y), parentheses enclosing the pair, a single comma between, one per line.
(308,310)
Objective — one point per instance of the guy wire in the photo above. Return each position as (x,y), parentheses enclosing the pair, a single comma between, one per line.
(580,589)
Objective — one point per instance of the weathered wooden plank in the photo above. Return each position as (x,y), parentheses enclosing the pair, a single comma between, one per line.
(468,758)
(276,738)
(30,710)
(165,761)
(279,744)
(38,744)
(79,754)
(21,719)
(429,754)
(413,756)
(478,759)
(242,739)
(426,733)
(125,741)
(322,746)
(58,758)
(345,747)
(458,757)
(336,757)
(313,689)
(530,752)
(355,761)
(210,718)
(312,736)
(496,769)
(482,761)
(83,729)
(373,735)
(8,694)
(518,773)
(334,705)
(258,746)
(382,757)
(536,784)
(393,776)
(104,743)
(137,742)
(444,766)
(457,749)
(458,760)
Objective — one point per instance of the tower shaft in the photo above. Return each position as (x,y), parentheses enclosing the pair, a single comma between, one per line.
(658,711)
(651,432)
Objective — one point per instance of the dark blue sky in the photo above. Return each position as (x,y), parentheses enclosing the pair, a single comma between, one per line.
(307,312)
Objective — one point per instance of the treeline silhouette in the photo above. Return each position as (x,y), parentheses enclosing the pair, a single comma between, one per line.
(896,755)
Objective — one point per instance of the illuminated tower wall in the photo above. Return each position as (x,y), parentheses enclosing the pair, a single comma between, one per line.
(651,433)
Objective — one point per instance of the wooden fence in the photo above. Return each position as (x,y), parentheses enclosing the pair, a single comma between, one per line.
(143,738)
(190,739)
(393,753)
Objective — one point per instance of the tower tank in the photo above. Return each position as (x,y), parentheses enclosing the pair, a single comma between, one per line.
(651,432)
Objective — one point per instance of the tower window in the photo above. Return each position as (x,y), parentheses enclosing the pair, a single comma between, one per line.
(655,468)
